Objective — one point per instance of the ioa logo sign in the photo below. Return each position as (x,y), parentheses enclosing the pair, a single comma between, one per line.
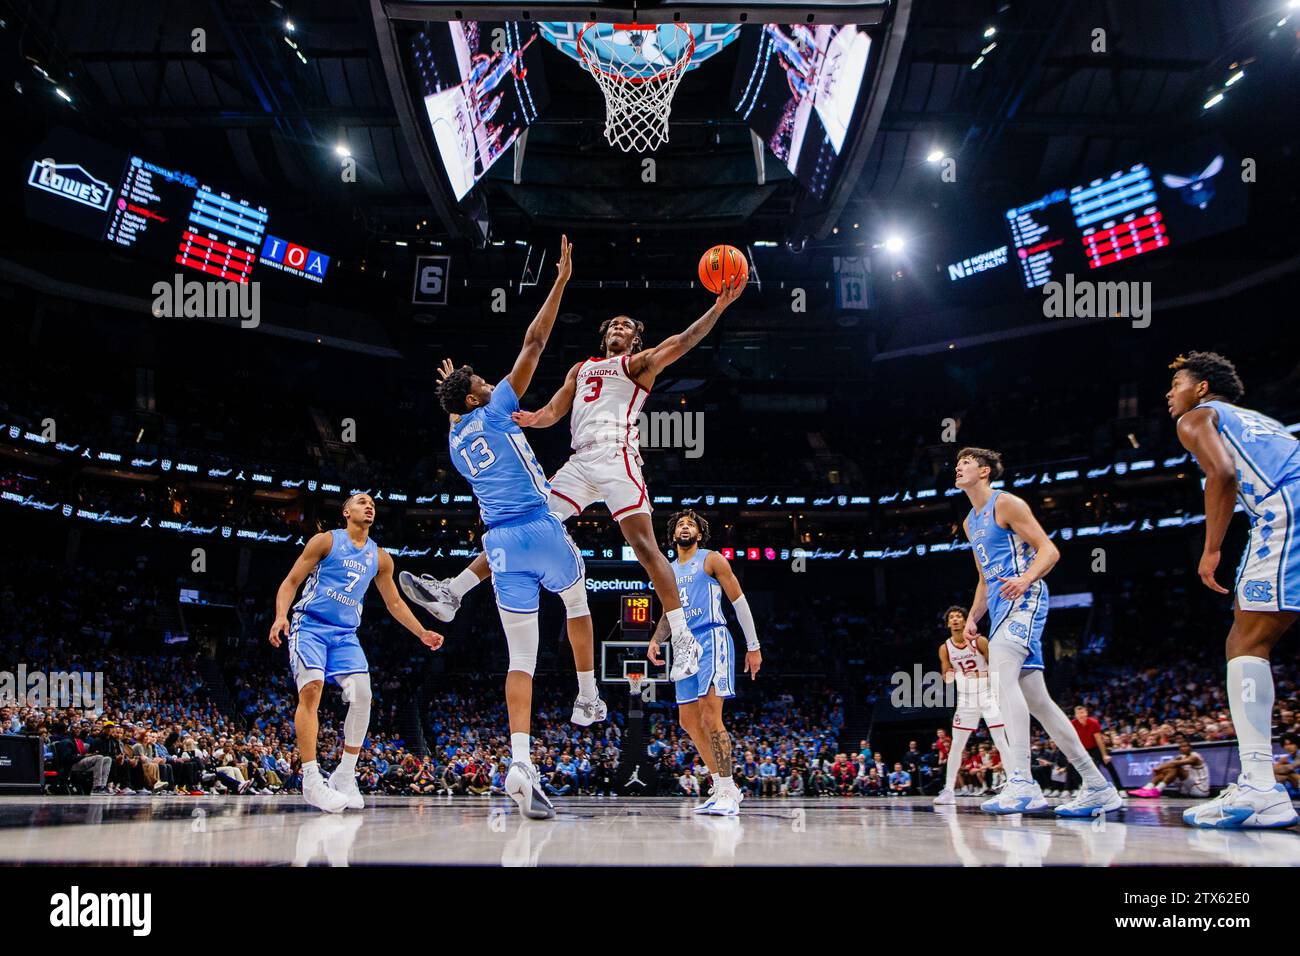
(296,260)
(70,181)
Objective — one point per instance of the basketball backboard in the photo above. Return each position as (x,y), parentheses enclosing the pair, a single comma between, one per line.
(617,658)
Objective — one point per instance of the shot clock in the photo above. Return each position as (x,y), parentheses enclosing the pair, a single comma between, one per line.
(637,614)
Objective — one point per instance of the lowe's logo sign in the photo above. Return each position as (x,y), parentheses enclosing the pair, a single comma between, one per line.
(70,181)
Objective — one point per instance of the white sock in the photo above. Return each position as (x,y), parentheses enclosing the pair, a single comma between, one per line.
(310,771)
(348,763)
(677,621)
(1161,786)
(959,738)
(721,783)
(1250,699)
(519,747)
(463,582)
(587,684)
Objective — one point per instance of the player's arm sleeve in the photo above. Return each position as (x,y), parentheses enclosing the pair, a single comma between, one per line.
(719,569)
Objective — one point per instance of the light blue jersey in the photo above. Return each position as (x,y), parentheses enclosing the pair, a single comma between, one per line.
(1002,553)
(492,453)
(701,597)
(527,546)
(335,590)
(1267,461)
(323,633)
(1265,453)
(700,594)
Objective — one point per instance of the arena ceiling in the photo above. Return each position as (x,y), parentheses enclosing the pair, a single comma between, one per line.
(1048,101)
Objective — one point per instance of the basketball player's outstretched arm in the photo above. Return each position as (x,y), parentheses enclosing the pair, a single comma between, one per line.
(652,361)
(398,608)
(1021,520)
(540,329)
(1198,432)
(555,409)
(316,551)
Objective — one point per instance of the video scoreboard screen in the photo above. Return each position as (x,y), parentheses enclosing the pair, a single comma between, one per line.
(157,213)
(1182,195)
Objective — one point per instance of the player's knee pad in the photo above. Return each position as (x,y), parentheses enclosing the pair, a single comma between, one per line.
(356,691)
(575,600)
(521,640)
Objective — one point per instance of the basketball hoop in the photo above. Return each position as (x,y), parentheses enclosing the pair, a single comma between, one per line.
(634,681)
(637,67)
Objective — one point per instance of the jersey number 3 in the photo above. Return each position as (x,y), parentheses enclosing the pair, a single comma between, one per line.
(595,383)
(480,447)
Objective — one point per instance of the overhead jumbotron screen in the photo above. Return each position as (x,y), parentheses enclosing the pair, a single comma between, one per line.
(481,85)
(798,87)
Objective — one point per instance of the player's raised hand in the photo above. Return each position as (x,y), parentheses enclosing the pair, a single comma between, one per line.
(279,630)
(430,639)
(1208,565)
(753,661)
(525,419)
(652,653)
(564,267)
(731,290)
(445,369)
(972,630)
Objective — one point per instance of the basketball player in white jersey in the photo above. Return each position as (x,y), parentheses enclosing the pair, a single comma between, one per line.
(965,662)
(1012,555)
(603,396)
(1187,774)
(1252,459)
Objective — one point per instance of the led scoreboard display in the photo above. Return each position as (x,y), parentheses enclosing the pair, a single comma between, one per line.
(1087,227)
(157,213)
(637,612)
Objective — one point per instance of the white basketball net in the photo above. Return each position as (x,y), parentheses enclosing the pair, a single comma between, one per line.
(638,88)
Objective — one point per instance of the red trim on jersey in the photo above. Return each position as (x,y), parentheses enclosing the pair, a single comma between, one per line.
(565,497)
(640,487)
(996,726)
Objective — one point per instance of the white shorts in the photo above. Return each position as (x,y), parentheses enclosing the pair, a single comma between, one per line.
(975,699)
(1188,788)
(608,473)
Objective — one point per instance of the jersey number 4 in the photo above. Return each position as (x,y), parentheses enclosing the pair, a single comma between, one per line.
(480,448)
(594,385)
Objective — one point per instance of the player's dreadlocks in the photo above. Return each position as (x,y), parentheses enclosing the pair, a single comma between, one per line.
(986,457)
(636,342)
(1213,368)
(454,389)
(694,516)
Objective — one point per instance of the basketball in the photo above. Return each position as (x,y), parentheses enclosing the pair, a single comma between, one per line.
(721,264)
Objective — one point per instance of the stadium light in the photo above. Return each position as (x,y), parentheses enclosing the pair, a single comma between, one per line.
(976,64)
(62,94)
(342,150)
(1213,101)
(989,32)
(894,244)
(288,26)
(1240,74)
(935,155)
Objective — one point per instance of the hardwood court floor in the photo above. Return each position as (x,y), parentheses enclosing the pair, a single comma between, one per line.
(438,831)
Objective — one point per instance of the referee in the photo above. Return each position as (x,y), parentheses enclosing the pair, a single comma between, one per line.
(1089,731)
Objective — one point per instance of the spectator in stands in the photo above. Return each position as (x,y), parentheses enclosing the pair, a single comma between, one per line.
(769,783)
(900,781)
(749,774)
(1287,767)
(1089,732)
